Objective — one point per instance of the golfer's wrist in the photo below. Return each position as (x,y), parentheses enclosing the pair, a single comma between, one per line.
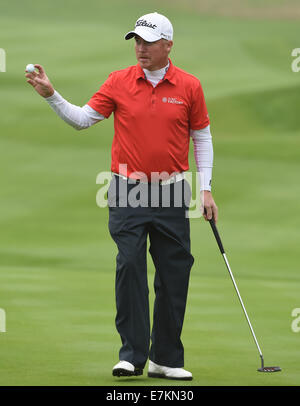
(53,96)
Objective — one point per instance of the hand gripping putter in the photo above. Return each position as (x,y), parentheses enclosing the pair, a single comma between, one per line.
(218,239)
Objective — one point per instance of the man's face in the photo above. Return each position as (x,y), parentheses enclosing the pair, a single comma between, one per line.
(152,55)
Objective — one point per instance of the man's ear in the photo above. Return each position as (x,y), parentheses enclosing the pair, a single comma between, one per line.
(169,46)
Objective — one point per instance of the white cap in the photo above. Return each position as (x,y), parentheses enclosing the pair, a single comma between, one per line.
(152,27)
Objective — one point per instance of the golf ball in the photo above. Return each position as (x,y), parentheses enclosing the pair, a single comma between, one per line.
(30,68)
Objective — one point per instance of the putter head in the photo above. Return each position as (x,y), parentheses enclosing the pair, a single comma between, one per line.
(269,369)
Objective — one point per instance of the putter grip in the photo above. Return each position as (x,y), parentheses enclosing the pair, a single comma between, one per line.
(217,236)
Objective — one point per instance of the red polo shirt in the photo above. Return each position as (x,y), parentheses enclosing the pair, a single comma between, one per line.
(151,123)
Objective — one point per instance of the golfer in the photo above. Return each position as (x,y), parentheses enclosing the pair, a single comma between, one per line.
(157,109)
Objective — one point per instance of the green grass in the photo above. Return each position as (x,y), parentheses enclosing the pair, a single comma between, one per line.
(57,259)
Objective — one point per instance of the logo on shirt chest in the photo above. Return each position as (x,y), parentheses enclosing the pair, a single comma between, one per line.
(171,100)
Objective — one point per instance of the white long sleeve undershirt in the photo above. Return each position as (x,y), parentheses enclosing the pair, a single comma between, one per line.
(76,116)
(204,156)
(84,117)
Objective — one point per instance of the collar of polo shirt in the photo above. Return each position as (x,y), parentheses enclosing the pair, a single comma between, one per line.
(170,75)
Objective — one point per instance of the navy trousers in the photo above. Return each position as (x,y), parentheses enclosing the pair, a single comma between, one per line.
(168,229)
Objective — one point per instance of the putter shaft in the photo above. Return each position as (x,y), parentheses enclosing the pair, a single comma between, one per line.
(242,304)
(217,236)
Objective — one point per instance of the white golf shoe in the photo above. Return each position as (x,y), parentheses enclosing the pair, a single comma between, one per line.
(125,368)
(159,371)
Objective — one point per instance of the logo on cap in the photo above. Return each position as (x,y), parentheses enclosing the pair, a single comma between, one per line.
(144,23)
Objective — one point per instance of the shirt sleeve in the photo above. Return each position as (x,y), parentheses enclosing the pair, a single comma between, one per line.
(103,100)
(198,114)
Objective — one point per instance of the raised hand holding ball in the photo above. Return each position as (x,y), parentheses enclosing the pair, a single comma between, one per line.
(39,80)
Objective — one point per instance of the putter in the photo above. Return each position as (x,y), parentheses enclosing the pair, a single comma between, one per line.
(218,239)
